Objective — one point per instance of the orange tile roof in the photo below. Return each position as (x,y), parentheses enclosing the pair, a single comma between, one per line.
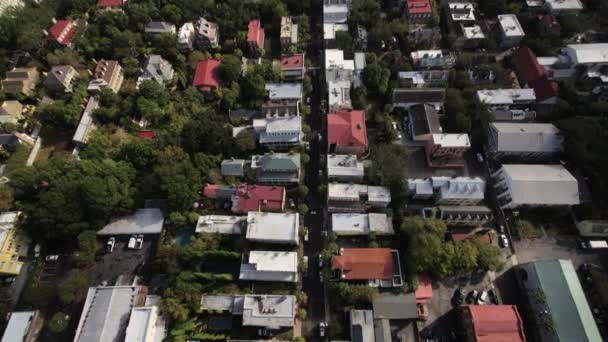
(364,263)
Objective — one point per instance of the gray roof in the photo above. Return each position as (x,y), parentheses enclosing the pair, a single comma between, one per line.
(382,330)
(390,306)
(361,326)
(413,95)
(424,119)
(157,69)
(541,184)
(270,311)
(86,124)
(56,77)
(18,326)
(279,91)
(221,224)
(144,221)
(273,227)
(233,167)
(159,27)
(277,161)
(343,165)
(527,137)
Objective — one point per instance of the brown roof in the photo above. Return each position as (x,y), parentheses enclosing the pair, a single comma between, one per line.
(105,69)
(364,263)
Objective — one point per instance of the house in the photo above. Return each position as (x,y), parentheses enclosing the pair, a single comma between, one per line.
(421,34)
(592,58)
(289,32)
(523,141)
(510,30)
(23,326)
(120,312)
(61,78)
(362,325)
(206,77)
(14,245)
(520,185)
(361,224)
(507,98)
(293,67)
(334,59)
(356,198)
(279,133)
(221,224)
(207,35)
(283,99)
(266,311)
(562,302)
(426,78)
(272,266)
(360,65)
(446,150)
(419,11)
(407,97)
(185,37)
(464,191)
(432,59)
(108,74)
(563,6)
(463,216)
(548,25)
(335,12)
(86,125)
(347,132)
(20,81)
(344,167)
(461,24)
(531,73)
(245,198)
(111,5)
(276,168)
(146,221)
(472,35)
(145,134)
(157,69)
(492,323)
(233,167)
(273,227)
(339,95)
(514,115)
(330,31)
(424,121)
(62,32)
(11,112)
(374,266)
(154,29)
(255,35)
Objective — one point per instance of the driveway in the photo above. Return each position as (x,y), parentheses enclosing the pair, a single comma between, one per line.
(563,247)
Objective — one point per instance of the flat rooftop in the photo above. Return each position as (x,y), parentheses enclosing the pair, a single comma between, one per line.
(506,96)
(562,5)
(221,224)
(473,32)
(344,165)
(270,266)
(527,137)
(510,26)
(541,184)
(452,140)
(334,58)
(18,325)
(273,227)
(278,91)
(361,224)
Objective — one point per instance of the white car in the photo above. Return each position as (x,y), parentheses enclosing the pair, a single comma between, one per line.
(131,244)
(110,244)
(320,262)
(503,241)
(396,128)
(53,257)
(139,242)
(479,158)
(322,327)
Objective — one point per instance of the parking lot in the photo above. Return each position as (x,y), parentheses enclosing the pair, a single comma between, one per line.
(562,247)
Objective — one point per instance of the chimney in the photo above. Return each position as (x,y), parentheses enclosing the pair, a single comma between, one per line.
(54,20)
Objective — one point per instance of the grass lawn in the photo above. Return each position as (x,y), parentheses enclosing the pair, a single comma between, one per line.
(18,159)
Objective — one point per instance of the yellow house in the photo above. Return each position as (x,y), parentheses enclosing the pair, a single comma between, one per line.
(14,245)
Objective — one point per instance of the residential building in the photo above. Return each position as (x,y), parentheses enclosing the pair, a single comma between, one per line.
(362,325)
(330,31)
(356,198)
(157,69)
(11,112)
(20,81)
(23,326)
(283,99)
(419,11)
(276,168)
(420,189)
(492,323)
(233,167)
(510,30)
(185,37)
(266,311)
(347,132)
(289,32)
(472,35)
(446,150)
(334,59)
(270,266)
(155,28)
(422,34)
(507,98)
(335,12)
(432,59)
(523,141)
(255,35)
(344,167)
(592,58)
(339,94)
(279,133)
(407,97)
(424,121)
(555,303)
(61,78)
(207,35)
(221,224)
(360,65)
(465,216)
(246,198)
(426,78)
(461,24)
(14,245)
(273,227)
(111,5)
(532,74)
(375,266)
(62,32)
(146,323)
(548,25)
(293,67)
(520,185)
(144,221)
(108,74)
(459,190)
(86,125)
(206,78)
(563,6)
(361,224)
(514,115)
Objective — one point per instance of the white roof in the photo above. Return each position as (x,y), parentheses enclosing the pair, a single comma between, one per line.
(7,222)
(462,188)
(270,266)
(144,221)
(329,30)
(346,191)
(271,311)
(280,91)
(86,123)
(273,227)
(362,325)
(360,61)
(378,194)
(222,224)
(334,58)
(588,53)
(473,32)
(560,5)
(344,165)
(339,93)
(185,33)
(279,124)
(18,326)
(506,96)
(462,11)
(510,26)
(527,137)
(541,184)
(452,140)
(361,224)
(145,325)
(420,186)
(426,54)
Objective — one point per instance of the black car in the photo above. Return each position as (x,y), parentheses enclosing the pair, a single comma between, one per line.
(458,296)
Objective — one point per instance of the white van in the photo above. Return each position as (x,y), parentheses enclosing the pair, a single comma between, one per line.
(131,243)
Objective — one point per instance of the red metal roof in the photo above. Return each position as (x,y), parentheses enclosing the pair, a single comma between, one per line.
(424,292)
(544,88)
(110,3)
(347,128)
(145,134)
(255,33)
(210,190)
(496,323)
(419,6)
(62,31)
(259,198)
(292,62)
(364,263)
(205,75)
(527,65)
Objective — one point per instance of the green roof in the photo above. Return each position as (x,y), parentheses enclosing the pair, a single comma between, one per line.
(567,304)
(233,167)
(281,161)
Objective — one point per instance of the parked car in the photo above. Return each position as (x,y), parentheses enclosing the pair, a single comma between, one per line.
(479,158)
(322,328)
(321,276)
(306,235)
(458,296)
(132,240)
(139,242)
(503,241)
(321,263)
(472,296)
(37,249)
(396,128)
(501,229)
(110,244)
(305,262)
(264,332)
(53,257)
(482,298)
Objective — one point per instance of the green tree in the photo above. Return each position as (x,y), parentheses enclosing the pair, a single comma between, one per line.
(87,246)
(302,209)
(72,287)
(6,198)
(245,141)
(59,322)
(376,78)
(178,179)
(302,190)
(172,13)
(230,69)
(389,167)
(153,91)
(344,41)
(301,314)
(456,108)
(490,258)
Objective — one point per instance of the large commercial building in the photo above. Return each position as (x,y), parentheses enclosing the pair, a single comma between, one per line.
(492,323)
(523,141)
